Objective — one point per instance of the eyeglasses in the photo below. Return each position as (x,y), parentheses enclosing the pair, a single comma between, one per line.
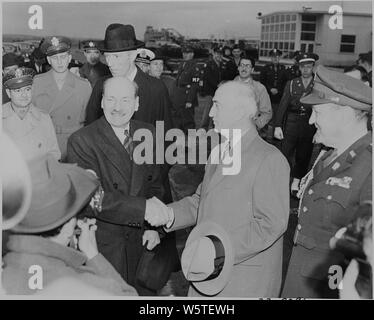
(243,65)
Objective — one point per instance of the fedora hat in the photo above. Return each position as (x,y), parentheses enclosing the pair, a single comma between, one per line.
(119,37)
(59,192)
(208,258)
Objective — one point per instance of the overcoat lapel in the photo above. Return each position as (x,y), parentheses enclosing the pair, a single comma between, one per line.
(137,171)
(113,149)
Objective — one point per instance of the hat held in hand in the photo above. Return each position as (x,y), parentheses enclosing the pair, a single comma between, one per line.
(208,258)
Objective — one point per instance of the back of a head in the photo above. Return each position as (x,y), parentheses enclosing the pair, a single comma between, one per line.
(242,95)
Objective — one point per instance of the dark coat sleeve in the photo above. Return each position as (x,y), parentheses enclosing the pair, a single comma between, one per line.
(117,208)
(283,105)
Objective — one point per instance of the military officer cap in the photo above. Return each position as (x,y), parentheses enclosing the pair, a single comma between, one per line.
(158,56)
(18,78)
(55,44)
(335,87)
(187,49)
(306,57)
(275,52)
(144,56)
(90,45)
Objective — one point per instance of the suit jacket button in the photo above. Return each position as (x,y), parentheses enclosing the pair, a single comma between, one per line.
(115,185)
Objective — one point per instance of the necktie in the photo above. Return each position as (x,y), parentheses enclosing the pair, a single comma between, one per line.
(127,143)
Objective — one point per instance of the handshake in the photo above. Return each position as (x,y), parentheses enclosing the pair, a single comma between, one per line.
(158,214)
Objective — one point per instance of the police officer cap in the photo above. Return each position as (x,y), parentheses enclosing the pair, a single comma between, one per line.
(18,78)
(11,59)
(55,44)
(90,45)
(187,49)
(306,57)
(336,87)
(275,52)
(144,55)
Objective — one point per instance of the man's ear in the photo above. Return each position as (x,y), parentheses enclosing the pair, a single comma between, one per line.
(134,53)
(70,57)
(49,60)
(7,92)
(136,103)
(102,103)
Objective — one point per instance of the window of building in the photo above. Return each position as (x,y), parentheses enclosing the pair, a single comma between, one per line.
(288,18)
(276,35)
(277,28)
(267,19)
(309,27)
(292,36)
(309,18)
(282,18)
(281,36)
(267,28)
(292,46)
(286,46)
(280,45)
(277,18)
(287,36)
(272,28)
(288,27)
(307,36)
(347,43)
(293,17)
(281,28)
(272,19)
(293,26)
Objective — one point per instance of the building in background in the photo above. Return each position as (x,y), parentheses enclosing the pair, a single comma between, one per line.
(309,31)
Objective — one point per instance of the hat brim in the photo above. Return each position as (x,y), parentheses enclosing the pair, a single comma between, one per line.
(314,99)
(138,44)
(214,286)
(81,191)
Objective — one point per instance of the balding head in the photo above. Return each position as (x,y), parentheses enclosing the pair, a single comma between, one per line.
(234,106)
(120,100)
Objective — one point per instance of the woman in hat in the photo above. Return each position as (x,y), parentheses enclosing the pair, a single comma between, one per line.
(50,249)
(31,129)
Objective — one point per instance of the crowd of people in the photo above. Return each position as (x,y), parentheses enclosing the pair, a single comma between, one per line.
(101,222)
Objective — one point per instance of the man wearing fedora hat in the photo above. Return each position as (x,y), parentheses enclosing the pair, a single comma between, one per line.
(31,129)
(120,50)
(47,237)
(93,69)
(340,181)
(239,203)
(59,92)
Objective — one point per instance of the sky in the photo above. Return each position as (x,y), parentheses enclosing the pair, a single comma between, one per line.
(201,19)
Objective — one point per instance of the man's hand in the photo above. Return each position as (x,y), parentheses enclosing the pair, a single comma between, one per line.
(274,91)
(278,133)
(349,292)
(156,212)
(188,105)
(152,238)
(87,239)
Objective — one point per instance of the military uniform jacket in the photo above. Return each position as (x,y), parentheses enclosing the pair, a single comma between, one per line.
(34,134)
(187,84)
(211,77)
(330,198)
(290,102)
(93,73)
(66,107)
(229,70)
(274,77)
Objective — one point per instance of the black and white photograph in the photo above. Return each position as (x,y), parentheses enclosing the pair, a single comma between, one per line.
(186,149)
